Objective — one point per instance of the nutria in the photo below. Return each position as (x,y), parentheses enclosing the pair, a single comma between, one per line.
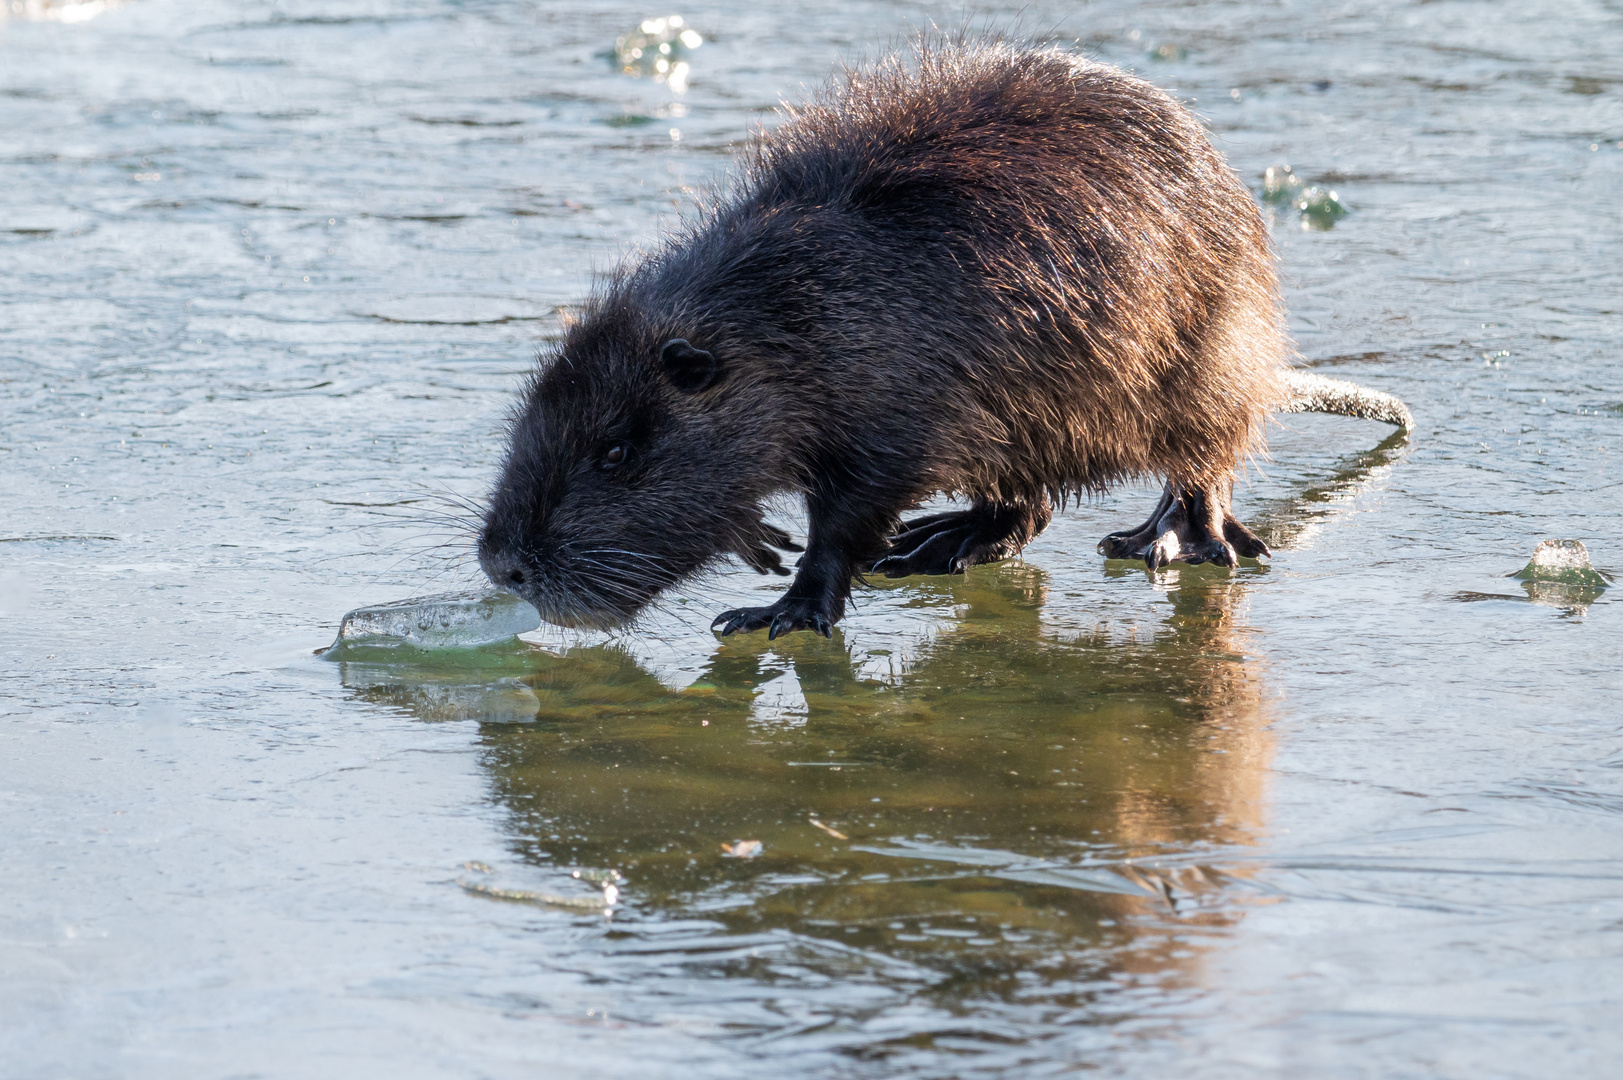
(1006,274)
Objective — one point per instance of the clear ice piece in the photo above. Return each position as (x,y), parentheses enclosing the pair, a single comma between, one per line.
(447,621)
(1320,209)
(1563,562)
(658,49)
(1280,184)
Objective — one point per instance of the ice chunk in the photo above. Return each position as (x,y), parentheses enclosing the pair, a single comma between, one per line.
(1280,185)
(1563,562)
(658,49)
(447,621)
(1558,575)
(1320,209)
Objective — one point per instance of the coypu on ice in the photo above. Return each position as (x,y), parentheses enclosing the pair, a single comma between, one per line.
(1006,274)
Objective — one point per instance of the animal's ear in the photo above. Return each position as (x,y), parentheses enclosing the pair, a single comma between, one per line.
(690,370)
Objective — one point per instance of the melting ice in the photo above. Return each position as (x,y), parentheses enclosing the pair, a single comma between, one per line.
(449,620)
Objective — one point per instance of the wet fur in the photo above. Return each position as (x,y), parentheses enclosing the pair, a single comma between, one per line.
(1005,274)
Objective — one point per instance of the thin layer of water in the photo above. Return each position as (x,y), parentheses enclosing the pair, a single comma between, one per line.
(273,272)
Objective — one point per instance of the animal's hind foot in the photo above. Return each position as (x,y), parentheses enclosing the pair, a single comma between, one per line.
(952,542)
(1189,525)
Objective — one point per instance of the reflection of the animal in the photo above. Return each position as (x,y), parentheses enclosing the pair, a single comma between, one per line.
(1005,800)
(1015,808)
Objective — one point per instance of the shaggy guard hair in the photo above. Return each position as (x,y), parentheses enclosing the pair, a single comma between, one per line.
(1006,274)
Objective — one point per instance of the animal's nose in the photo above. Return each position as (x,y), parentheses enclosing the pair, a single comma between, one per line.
(505,570)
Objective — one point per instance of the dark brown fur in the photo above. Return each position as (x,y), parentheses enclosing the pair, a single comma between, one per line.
(1005,274)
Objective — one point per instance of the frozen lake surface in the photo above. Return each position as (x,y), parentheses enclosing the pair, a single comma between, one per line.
(272,272)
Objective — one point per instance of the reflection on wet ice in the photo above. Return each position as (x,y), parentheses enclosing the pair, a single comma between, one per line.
(1559,575)
(265,258)
(1047,808)
(999,792)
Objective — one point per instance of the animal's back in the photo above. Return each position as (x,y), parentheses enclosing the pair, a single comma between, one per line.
(1097,286)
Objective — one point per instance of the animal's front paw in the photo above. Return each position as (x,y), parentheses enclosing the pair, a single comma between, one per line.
(789,613)
(756,548)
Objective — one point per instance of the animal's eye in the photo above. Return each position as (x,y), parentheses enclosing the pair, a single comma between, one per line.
(616,455)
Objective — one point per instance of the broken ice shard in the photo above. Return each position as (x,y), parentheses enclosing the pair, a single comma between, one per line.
(1563,562)
(447,621)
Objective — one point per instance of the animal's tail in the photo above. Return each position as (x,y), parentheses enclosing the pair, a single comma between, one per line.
(1315,393)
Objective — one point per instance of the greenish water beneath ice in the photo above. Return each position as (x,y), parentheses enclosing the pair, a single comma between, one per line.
(273,272)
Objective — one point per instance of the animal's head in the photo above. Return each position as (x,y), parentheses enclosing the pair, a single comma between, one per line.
(622,477)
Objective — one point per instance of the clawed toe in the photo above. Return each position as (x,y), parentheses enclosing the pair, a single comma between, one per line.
(741,620)
(923,551)
(783,623)
(1124,545)
(776,537)
(763,560)
(756,549)
(1161,551)
(952,542)
(1213,551)
(1246,543)
(1189,525)
(785,616)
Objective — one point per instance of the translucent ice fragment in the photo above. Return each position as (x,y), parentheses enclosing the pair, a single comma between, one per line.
(451,620)
(1563,562)
(1280,184)
(1320,209)
(658,49)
